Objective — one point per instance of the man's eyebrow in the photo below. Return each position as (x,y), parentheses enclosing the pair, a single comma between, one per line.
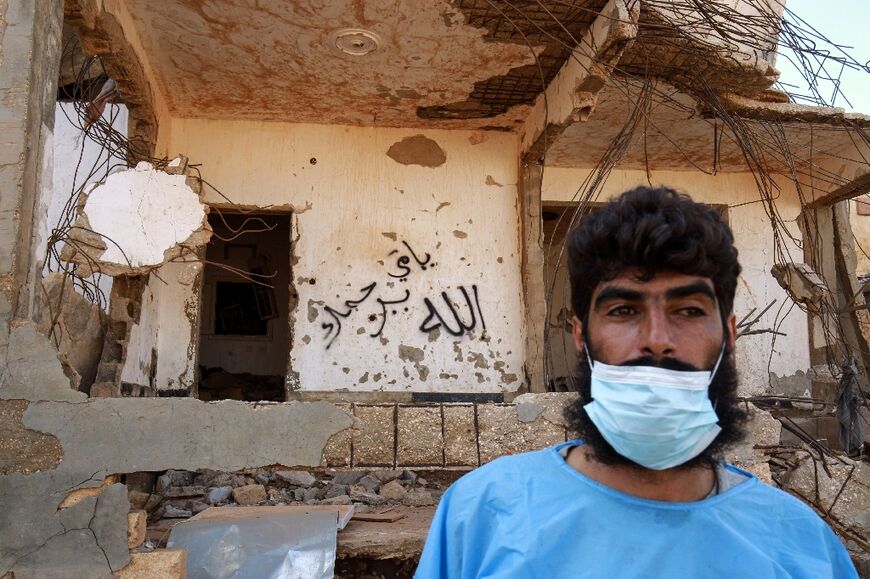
(617,293)
(690,290)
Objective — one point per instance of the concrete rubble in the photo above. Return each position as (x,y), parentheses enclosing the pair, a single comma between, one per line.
(182,494)
(839,490)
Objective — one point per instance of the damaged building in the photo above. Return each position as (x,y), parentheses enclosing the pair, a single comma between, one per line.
(310,253)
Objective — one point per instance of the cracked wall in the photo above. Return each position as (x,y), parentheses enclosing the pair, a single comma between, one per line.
(418,249)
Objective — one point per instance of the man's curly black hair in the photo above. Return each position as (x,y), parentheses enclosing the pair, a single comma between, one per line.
(654,230)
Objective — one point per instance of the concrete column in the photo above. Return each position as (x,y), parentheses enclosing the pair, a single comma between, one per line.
(534,293)
(30,46)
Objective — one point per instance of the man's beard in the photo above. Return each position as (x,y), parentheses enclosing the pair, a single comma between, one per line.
(722,393)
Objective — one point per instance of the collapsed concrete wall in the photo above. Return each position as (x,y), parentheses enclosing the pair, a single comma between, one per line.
(76,326)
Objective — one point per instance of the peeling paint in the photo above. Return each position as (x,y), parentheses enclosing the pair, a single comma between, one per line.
(491,181)
(478,359)
(417,150)
(410,353)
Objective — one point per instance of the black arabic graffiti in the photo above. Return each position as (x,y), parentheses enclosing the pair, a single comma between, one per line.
(384,304)
(461,326)
(351,305)
(433,320)
(403,261)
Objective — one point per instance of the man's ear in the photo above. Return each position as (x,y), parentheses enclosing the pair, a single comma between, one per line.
(731,328)
(577,332)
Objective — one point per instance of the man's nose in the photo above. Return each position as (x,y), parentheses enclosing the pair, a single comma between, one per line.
(657,338)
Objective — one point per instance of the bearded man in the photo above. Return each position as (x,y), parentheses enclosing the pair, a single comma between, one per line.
(644,491)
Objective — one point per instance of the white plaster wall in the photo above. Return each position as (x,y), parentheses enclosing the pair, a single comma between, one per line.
(353,205)
(70,145)
(144,336)
(758,354)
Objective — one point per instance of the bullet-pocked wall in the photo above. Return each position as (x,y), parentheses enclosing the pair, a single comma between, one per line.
(760,358)
(404,248)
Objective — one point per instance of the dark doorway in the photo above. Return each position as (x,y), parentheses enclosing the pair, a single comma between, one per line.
(244,337)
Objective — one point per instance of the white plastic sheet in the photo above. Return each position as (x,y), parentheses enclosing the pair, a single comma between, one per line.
(269,545)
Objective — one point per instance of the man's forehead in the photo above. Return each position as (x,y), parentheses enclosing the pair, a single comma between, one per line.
(660,282)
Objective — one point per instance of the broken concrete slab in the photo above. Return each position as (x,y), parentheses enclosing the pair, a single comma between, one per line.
(148,434)
(135,221)
(77,326)
(87,539)
(33,369)
(845,492)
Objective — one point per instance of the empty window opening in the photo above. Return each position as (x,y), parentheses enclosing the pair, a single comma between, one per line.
(244,336)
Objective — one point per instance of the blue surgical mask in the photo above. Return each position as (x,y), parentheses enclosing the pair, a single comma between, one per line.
(655,417)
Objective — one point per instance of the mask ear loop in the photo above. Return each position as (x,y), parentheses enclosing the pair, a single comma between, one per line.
(589,358)
(716,368)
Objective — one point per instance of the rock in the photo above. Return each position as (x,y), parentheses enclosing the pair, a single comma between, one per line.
(393,491)
(164,563)
(370,483)
(337,500)
(386,476)
(249,495)
(143,501)
(185,491)
(164,483)
(264,478)
(299,495)
(218,495)
(422,482)
(367,498)
(418,499)
(762,429)
(205,477)
(277,495)
(409,477)
(229,479)
(176,478)
(197,507)
(335,490)
(173,512)
(347,477)
(311,494)
(297,478)
(136,527)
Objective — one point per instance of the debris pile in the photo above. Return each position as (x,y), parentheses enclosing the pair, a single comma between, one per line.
(177,494)
(836,487)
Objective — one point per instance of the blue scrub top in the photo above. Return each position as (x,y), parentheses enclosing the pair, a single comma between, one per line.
(532,515)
